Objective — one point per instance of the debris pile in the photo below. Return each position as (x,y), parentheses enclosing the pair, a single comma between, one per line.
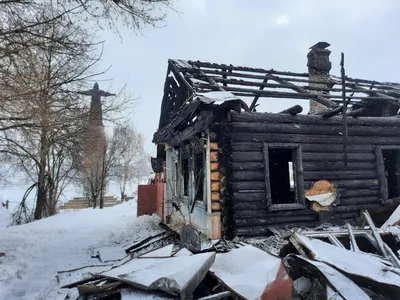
(303,264)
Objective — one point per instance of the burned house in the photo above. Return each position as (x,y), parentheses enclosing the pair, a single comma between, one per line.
(230,170)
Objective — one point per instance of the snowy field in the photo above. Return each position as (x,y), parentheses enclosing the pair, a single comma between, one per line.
(36,251)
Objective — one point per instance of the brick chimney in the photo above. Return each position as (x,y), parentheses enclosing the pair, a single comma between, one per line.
(318,70)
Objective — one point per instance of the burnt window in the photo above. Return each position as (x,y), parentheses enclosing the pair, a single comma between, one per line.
(199,176)
(389,162)
(283,178)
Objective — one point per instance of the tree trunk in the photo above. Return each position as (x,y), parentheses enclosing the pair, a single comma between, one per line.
(41,196)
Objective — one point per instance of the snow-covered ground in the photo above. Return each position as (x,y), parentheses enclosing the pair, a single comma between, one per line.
(36,251)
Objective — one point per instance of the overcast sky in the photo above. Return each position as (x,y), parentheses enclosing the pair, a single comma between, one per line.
(256,33)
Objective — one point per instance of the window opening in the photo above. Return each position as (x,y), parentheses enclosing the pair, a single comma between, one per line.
(199,176)
(391,159)
(281,174)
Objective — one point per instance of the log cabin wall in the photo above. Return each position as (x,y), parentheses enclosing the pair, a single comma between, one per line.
(359,185)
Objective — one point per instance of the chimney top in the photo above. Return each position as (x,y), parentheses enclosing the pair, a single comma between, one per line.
(318,58)
(320,45)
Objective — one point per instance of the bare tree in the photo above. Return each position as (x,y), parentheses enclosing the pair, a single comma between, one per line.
(129,162)
(37,87)
(48,49)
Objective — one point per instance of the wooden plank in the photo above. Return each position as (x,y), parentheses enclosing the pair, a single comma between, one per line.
(213,167)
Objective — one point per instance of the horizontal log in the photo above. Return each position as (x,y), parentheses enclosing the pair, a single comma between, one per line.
(248,186)
(316,166)
(247,166)
(237,196)
(347,215)
(347,193)
(271,220)
(247,157)
(337,156)
(312,119)
(294,110)
(367,183)
(343,175)
(327,129)
(249,205)
(248,175)
(312,139)
(361,200)
(263,230)
(356,208)
(262,213)
(258,147)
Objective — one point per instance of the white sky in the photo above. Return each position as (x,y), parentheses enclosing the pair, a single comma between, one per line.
(257,33)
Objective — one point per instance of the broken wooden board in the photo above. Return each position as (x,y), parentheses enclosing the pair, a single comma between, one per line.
(107,254)
(251,273)
(361,266)
(343,285)
(179,275)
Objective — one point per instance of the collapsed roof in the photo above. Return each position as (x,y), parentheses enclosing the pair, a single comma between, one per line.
(188,79)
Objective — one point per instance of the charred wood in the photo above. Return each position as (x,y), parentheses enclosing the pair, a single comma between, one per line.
(204,120)
(342,175)
(355,208)
(294,110)
(255,186)
(355,183)
(339,165)
(312,139)
(258,147)
(272,220)
(316,120)
(357,112)
(361,200)
(247,166)
(337,157)
(248,175)
(347,193)
(263,230)
(309,129)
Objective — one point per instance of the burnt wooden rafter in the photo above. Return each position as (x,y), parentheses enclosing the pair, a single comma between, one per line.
(258,83)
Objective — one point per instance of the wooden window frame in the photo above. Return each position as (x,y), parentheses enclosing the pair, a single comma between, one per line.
(297,177)
(380,164)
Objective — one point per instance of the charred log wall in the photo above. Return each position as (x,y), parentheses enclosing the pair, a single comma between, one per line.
(321,141)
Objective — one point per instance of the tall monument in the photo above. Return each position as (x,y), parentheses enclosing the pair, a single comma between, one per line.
(94,146)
